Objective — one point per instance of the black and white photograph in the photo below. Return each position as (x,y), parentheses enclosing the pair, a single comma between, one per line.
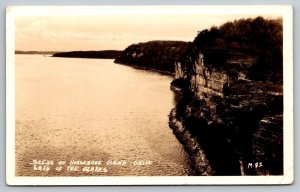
(149,95)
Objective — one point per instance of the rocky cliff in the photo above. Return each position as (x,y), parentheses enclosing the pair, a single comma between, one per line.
(229,114)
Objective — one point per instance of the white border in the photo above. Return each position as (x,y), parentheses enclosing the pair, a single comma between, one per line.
(284,10)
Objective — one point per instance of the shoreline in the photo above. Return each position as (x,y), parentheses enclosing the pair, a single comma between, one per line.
(148,69)
(191,145)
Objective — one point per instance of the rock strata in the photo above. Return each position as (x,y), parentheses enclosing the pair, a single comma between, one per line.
(236,122)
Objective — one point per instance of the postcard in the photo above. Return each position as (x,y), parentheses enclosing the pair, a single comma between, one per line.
(149,95)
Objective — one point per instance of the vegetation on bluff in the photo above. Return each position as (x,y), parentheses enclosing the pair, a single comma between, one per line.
(105,54)
(157,55)
(253,39)
(231,97)
(259,38)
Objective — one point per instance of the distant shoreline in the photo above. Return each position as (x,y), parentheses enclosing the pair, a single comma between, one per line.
(36,52)
(104,54)
(148,69)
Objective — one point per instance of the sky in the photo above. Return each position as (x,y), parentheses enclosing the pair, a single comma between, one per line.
(110,32)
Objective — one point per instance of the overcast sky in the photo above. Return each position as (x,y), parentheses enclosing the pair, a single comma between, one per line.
(68,33)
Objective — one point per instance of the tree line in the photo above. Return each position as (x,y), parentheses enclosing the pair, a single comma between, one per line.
(258,37)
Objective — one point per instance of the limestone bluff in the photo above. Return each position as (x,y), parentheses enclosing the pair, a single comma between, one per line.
(229,85)
(234,122)
(231,105)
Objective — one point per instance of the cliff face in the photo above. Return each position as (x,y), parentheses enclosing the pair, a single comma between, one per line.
(236,122)
(154,55)
(229,85)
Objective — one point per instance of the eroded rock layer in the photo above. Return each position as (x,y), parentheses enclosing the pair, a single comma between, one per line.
(235,122)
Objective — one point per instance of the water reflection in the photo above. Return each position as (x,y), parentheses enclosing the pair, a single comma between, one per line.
(90,109)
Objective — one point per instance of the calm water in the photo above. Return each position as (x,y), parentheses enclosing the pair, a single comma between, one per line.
(94,110)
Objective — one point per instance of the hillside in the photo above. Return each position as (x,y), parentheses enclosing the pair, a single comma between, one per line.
(153,55)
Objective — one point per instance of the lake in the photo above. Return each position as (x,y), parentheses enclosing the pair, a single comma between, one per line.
(92,117)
